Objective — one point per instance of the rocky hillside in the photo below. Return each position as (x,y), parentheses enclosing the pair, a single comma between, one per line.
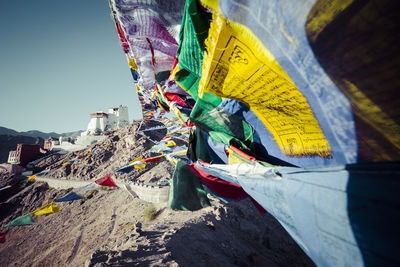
(113,157)
(111,227)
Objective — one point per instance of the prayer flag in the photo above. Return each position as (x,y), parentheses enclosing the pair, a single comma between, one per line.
(106,181)
(47,209)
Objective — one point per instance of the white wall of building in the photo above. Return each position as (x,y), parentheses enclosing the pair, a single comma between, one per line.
(95,125)
(123,117)
(116,118)
(12,156)
(89,140)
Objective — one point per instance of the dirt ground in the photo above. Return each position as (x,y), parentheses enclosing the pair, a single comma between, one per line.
(111,229)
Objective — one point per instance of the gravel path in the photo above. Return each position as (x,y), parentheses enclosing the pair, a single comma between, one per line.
(63,183)
(146,193)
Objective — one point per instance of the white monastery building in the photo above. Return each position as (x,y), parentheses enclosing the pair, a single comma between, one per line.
(116,118)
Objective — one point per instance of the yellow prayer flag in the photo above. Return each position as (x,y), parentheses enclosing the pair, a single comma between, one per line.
(140,166)
(171,143)
(180,153)
(132,64)
(153,94)
(174,71)
(178,113)
(173,160)
(237,65)
(232,159)
(47,209)
(31,178)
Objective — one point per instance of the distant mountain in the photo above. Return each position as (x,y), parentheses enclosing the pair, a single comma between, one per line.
(6,131)
(35,133)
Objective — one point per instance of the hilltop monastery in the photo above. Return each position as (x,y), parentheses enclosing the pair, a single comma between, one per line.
(116,118)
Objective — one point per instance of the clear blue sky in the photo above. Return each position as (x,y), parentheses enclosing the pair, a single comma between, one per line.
(60,61)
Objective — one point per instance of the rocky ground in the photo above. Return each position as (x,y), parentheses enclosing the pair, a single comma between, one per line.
(112,228)
(113,157)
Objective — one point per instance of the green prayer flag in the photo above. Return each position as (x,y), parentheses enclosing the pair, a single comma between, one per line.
(186,192)
(194,31)
(21,220)
(206,113)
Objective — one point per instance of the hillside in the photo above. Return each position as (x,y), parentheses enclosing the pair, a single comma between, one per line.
(111,227)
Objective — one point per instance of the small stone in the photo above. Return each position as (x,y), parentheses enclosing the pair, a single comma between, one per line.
(211,225)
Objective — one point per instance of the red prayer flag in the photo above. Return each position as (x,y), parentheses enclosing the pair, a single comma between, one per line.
(174,98)
(106,181)
(223,188)
(3,237)
(153,159)
(175,63)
